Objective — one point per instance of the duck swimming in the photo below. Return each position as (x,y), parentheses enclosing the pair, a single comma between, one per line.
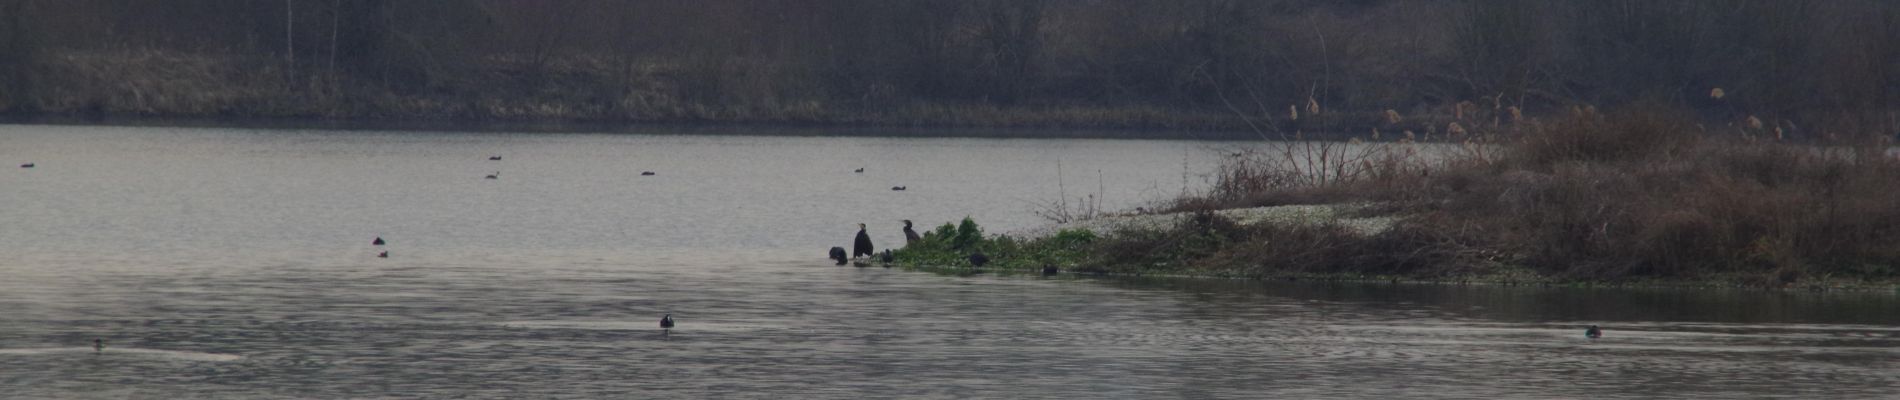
(1593,332)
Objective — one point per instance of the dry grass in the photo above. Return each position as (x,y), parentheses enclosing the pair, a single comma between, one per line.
(1636,194)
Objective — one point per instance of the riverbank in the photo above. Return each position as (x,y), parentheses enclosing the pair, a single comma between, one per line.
(166,87)
(1628,198)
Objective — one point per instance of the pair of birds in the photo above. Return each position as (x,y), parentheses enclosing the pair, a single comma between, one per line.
(379,242)
(861,246)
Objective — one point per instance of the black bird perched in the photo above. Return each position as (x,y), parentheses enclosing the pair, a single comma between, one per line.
(862,246)
(494,158)
(979,259)
(495,175)
(1593,332)
(646,173)
(898,188)
(887,257)
(860,170)
(377,242)
(909,235)
(837,253)
(26,165)
(666,322)
(384,254)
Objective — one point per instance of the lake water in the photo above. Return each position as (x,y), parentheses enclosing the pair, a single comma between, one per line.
(233,263)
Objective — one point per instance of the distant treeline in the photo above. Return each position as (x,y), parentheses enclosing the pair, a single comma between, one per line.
(1192,64)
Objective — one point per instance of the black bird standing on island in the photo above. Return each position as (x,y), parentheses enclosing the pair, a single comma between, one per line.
(910,236)
(862,246)
(837,253)
(887,258)
(1593,332)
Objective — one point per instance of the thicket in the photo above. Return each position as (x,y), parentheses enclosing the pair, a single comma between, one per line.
(1135,63)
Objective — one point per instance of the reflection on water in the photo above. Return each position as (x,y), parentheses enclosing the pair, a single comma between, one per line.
(228,268)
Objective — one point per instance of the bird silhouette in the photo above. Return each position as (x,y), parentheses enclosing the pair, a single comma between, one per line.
(860,170)
(862,246)
(837,253)
(910,236)
(377,242)
(647,173)
(496,175)
(898,188)
(1593,332)
(666,322)
(26,165)
(494,158)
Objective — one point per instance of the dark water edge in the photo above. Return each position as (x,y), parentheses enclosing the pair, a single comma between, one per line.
(1574,302)
(1525,280)
(727,128)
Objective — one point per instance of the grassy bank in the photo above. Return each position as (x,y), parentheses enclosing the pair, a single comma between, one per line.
(152,86)
(129,85)
(1629,197)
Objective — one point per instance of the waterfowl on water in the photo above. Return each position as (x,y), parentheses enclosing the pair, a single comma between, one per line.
(910,235)
(496,175)
(1593,332)
(860,170)
(384,254)
(666,322)
(26,165)
(377,242)
(898,188)
(646,173)
(978,259)
(494,158)
(862,246)
(1049,269)
(837,253)
(98,345)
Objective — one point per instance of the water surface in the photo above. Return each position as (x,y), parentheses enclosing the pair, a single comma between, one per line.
(232,263)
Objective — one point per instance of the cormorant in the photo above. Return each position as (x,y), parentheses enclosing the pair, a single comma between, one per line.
(979,259)
(646,173)
(495,175)
(837,253)
(384,254)
(494,158)
(1593,332)
(98,345)
(888,257)
(862,246)
(666,322)
(860,170)
(898,188)
(909,235)
(26,165)
(377,242)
